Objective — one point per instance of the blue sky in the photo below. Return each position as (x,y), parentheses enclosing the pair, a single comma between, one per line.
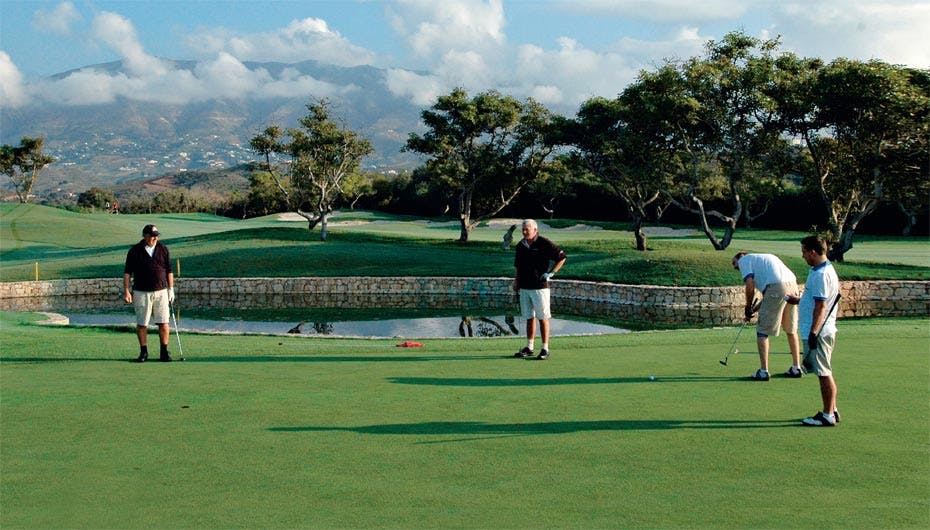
(557,51)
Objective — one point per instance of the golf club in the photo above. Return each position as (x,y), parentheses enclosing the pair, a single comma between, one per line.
(755,307)
(174,319)
(832,307)
(733,347)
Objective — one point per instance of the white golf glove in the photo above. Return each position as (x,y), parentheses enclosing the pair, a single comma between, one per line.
(171,295)
(547,276)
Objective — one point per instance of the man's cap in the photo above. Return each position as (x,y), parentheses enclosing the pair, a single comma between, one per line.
(150,230)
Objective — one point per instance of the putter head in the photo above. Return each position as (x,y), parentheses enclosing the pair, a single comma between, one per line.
(723,362)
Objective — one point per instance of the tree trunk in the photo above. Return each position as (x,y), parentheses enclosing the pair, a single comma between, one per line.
(465,215)
(465,229)
(910,219)
(324,220)
(638,233)
(840,248)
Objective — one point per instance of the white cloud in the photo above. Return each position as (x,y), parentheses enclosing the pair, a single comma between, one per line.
(421,89)
(301,40)
(84,87)
(150,79)
(432,28)
(291,84)
(669,11)
(887,30)
(684,43)
(57,21)
(120,35)
(12,89)
(566,76)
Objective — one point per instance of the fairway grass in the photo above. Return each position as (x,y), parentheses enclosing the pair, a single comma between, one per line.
(287,432)
(62,245)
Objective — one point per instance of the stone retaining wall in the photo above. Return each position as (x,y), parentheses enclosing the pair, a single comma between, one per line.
(665,304)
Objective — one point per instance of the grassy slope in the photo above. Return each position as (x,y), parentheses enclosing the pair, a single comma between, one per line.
(293,432)
(69,245)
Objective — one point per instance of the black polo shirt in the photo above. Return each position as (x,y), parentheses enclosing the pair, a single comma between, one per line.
(149,273)
(533,260)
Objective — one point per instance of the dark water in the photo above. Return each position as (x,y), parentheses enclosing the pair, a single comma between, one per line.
(404,327)
(421,316)
(378,315)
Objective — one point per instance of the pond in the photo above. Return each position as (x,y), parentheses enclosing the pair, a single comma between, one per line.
(473,325)
(363,316)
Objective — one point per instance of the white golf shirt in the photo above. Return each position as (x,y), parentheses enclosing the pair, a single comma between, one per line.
(765,269)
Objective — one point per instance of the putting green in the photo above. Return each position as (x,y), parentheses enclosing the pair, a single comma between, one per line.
(275,432)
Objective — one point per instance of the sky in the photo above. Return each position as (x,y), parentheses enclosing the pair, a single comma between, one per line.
(560,52)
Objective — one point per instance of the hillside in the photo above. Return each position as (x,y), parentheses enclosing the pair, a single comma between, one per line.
(128,141)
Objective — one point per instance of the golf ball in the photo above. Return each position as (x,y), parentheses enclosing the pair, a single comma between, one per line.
(652,378)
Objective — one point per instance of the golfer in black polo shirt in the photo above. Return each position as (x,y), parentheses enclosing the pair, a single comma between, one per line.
(533,257)
(148,264)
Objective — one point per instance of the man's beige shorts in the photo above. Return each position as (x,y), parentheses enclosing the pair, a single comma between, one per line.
(151,305)
(775,313)
(534,303)
(820,360)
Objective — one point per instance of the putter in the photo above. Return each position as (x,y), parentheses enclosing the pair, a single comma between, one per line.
(755,307)
(733,347)
(174,319)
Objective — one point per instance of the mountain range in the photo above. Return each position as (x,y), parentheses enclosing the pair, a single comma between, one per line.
(126,141)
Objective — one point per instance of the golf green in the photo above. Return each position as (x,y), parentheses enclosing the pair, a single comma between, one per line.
(287,432)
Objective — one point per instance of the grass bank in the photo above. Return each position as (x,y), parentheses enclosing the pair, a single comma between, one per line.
(70,245)
(288,432)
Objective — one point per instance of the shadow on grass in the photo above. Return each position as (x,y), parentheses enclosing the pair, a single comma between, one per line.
(477,428)
(458,381)
(333,359)
(37,360)
(258,359)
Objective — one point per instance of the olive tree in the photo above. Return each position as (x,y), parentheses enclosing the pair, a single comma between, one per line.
(320,155)
(865,127)
(22,163)
(483,150)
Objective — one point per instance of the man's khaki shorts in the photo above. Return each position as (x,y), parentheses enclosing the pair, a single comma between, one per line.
(151,305)
(534,303)
(775,313)
(819,361)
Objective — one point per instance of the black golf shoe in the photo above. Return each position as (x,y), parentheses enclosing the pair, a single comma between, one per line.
(165,358)
(819,420)
(543,355)
(525,352)
(760,375)
(142,357)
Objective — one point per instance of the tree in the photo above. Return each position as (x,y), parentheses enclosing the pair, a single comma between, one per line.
(865,128)
(321,155)
(556,184)
(265,194)
(22,165)
(729,122)
(96,198)
(483,150)
(358,185)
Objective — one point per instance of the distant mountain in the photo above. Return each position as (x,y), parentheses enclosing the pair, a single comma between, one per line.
(128,141)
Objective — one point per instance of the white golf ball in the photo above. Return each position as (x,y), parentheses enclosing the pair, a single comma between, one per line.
(652,378)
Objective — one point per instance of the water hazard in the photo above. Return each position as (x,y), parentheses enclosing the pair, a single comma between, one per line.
(362,316)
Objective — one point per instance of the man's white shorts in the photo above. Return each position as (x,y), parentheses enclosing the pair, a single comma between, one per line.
(775,313)
(151,305)
(534,303)
(820,360)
